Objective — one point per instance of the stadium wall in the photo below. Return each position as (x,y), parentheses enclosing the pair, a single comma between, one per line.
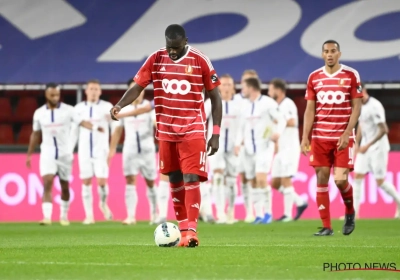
(21,191)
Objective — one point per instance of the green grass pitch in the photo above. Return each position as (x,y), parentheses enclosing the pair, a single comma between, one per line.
(241,251)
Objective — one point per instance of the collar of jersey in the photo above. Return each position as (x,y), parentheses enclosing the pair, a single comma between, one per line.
(91,103)
(58,106)
(334,74)
(183,57)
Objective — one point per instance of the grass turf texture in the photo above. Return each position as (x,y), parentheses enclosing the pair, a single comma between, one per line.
(240,251)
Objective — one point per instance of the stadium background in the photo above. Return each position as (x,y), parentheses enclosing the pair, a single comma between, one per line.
(69,42)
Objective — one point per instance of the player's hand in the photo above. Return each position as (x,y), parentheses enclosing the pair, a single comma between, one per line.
(28,162)
(276,148)
(114,112)
(213,144)
(237,150)
(275,137)
(343,141)
(363,149)
(100,129)
(305,146)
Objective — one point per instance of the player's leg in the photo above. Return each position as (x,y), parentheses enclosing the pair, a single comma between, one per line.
(379,162)
(231,186)
(245,187)
(64,173)
(169,165)
(263,167)
(206,212)
(322,159)
(162,198)
(130,170)
(217,165)
(276,183)
(101,173)
(342,166)
(148,170)
(192,161)
(86,173)
(361,168)
(48,169)
(255,198)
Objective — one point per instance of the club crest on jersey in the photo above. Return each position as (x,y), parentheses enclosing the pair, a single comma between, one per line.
(341,82)
(189,69)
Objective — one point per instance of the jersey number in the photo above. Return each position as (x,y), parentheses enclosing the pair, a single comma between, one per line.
(351,155)
(202,158)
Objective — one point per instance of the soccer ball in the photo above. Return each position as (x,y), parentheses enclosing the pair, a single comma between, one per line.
(167,235)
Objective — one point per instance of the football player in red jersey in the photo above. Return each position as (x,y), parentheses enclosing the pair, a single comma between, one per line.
(179,73)
(333,108)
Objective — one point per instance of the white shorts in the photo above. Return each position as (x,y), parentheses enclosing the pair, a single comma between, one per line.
(224,161)
(241,158)
(374,161)
(93,167)
(61,167)
(286,164)
(260,162)
(145,163)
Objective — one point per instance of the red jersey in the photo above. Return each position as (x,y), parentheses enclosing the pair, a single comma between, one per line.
(333,94)
(178,93)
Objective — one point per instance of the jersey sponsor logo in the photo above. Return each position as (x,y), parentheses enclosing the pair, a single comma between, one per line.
(176,87)
(214,78)
(331,97)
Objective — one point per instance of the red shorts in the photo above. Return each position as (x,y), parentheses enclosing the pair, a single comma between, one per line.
(325,153)
(187,156)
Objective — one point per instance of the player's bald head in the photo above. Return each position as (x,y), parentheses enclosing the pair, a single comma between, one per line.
(175,32)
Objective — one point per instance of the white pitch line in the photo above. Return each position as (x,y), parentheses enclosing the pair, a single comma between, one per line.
(133,264)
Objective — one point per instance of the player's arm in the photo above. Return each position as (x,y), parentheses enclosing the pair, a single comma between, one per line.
(358,135)
(139,111)
(291,120)
(380,120)
(33,139)
(309,116)
(280,123)
(78,119)
(115,137)
(216,113)
(240,134)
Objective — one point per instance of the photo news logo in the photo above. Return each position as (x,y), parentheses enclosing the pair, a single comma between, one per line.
(378,266)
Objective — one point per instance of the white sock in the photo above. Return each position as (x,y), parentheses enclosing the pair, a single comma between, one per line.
(162,198)
(47,210)
(219,189)
(390,189)
(267,193)
(288,201)
(258,197)
(206,207)
(64,206)
(231,192)
(131,199)
(281,189)
(152,197)
(247,197)
(103,193)
(87,198)
(357,192)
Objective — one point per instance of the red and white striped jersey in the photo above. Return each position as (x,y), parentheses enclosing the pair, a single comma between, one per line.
(178,87)
(332,94)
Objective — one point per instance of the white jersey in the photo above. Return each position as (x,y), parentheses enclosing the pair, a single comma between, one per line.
(229,125)
(139,130)
(372,114)
(55,126)
(289,139)
(94,144)
(257,121)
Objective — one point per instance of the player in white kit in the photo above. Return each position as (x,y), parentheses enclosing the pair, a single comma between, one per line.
(287,157)
(224,163)
(53,121)
(245,186)
(259,136)
(93,149)
(138,155)
(373,150)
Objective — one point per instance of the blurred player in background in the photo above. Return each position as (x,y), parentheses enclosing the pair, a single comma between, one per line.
(53,121)
(179,72)
(333,107)
(246,187)
(372,148)
(93,149)
(138,155)
(286,161)
(224,162)
(256,132)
